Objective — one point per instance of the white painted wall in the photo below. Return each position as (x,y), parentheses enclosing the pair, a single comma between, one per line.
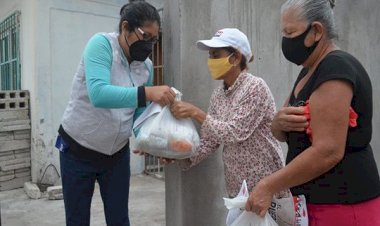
(27,48)
(53,36)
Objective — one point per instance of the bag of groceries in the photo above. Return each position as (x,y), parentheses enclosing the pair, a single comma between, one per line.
(280,213)
(237,216)
(161,134)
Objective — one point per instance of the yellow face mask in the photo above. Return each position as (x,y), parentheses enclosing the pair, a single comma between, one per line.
(219,67)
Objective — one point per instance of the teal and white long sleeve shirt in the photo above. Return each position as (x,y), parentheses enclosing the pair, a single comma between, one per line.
(107,95)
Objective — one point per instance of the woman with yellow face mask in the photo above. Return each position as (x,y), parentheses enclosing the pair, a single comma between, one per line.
(239,115)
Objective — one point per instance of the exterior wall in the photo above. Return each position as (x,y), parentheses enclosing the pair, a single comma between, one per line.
(195,197)
(53,36)
(63,30)
(27,50)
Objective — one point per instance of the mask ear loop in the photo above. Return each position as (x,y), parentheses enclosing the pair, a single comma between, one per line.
(315,34)
(232,54)
(125,36)
(234,65)
(126,40)
(311,27)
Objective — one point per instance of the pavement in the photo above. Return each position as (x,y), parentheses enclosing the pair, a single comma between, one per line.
(146,206)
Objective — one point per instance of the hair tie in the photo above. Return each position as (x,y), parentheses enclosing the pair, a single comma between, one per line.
(332,3)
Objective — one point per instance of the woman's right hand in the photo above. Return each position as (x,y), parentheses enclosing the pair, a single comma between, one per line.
(182,109)
(289,119)
(162,95)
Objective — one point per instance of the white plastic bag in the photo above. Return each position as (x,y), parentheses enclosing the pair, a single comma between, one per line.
(240,200)
(302,218)
(239,217)
(252,219)
(165,136)
(282,211)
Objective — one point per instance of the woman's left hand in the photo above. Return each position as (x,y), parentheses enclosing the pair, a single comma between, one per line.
(260,199)
(181,109)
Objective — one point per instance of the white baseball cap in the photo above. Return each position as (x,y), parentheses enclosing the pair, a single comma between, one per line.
(228,37)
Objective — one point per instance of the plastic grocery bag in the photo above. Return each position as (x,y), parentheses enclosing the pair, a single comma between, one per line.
(239,200)
(161,134)
(302,218)
(239,217)
(282,211)
(252,219)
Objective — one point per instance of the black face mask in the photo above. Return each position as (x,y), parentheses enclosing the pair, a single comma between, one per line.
(295,50)
(140,50)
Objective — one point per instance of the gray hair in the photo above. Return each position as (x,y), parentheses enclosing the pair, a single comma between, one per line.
(315,10)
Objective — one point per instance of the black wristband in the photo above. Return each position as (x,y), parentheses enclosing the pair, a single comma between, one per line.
(141,98)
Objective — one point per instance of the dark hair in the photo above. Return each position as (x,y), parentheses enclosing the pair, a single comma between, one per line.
(137,13)
(243,62)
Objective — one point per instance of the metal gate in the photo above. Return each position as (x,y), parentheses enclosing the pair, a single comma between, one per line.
(10,53)
(153,167)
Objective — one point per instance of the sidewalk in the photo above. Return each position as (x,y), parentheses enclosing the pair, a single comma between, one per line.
(146,206)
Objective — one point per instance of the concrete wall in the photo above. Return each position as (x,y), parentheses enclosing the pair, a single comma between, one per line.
(27,49)
(63,30)
(53,36)
(195,197)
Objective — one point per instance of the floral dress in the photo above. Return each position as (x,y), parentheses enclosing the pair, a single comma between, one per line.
(239,118)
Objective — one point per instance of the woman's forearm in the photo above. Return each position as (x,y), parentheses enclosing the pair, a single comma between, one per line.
(305,167)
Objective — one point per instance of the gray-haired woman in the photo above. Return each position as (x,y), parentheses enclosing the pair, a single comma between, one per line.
(330,159)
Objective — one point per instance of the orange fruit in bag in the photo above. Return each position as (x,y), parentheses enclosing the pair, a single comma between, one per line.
(180,145)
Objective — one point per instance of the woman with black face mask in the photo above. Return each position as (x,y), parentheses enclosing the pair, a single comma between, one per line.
(111,88)
(327,124)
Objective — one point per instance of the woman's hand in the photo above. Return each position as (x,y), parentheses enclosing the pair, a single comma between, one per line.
(162,95)
(181,109)
(260,199)
(289,119)
(138,152)
(166,161)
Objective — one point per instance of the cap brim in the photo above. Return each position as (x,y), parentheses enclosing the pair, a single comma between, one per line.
(207,44)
